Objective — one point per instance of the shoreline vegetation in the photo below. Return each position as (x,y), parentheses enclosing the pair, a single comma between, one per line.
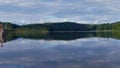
(61,27)
(61,31)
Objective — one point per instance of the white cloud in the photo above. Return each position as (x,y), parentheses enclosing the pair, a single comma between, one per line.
(20,3)
(83,11)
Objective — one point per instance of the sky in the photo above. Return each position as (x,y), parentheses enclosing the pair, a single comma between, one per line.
(40,11)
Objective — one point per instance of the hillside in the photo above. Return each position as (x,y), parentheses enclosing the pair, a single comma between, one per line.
(9,26)
(62,26)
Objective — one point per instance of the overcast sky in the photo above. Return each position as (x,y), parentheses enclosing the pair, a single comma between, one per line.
(39,11)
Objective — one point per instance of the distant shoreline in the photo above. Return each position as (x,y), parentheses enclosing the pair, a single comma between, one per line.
(89,31)
(64,27)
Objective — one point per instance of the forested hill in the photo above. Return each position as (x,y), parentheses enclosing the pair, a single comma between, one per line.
(9,26)
(62,26)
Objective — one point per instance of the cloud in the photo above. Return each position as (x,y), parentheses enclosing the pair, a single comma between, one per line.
(81,11)
(19,3)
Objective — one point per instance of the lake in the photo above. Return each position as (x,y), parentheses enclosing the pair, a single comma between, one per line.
(61,50)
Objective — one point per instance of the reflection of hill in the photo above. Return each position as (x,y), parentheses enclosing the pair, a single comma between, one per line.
(60,35)
(70,35)
(9,35)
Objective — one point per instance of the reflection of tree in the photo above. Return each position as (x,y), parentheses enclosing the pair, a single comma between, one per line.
(116,35)
(10,35)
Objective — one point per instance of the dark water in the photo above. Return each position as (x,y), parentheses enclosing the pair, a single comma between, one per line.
(61,50)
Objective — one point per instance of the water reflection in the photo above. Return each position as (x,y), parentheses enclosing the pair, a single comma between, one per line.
(61,50)
(66,36)
(61,35)
(80,53)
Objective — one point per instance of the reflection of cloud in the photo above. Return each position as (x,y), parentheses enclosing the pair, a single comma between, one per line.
(93,52)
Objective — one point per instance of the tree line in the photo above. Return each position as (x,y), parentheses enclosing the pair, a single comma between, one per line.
(61,26)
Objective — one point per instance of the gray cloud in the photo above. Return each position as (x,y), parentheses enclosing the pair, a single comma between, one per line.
(81,11)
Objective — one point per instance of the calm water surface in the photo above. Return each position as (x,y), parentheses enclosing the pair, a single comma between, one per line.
(92,52)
